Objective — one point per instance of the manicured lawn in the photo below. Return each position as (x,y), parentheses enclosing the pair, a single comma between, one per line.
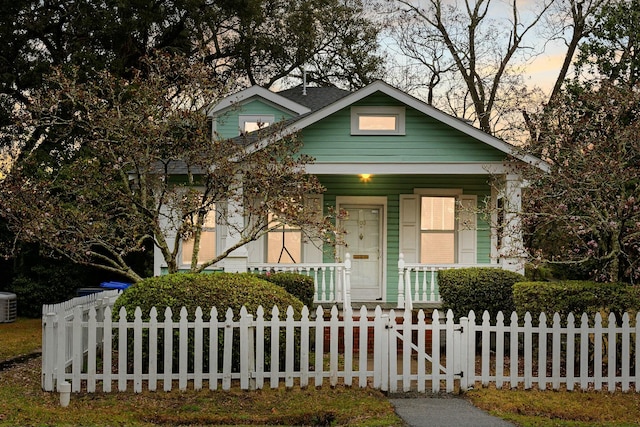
(24,336)
(22,402)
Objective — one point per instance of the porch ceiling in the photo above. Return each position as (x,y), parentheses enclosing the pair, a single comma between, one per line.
(337,168)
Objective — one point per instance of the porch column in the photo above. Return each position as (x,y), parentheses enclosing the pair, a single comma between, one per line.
(512,252)
(236,261)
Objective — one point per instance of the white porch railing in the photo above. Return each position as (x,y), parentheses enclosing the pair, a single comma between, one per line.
(332,281)
(418,283)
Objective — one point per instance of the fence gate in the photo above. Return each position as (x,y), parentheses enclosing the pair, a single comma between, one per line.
(421,354)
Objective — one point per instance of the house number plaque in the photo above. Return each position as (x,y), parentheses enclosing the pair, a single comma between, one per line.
(361,257)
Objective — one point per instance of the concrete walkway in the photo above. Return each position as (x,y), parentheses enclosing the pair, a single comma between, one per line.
(443,411)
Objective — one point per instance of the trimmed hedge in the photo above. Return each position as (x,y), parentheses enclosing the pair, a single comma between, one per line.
(575,296)
(222,290)
(298,285)
(477,289)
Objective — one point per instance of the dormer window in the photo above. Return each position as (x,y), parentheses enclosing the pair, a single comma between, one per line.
(377,120)
(250,123)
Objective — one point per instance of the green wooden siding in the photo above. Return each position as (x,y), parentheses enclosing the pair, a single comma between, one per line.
(227,123)
(426,139)
(392,186)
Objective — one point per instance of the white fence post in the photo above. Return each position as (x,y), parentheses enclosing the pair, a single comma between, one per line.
(401,282)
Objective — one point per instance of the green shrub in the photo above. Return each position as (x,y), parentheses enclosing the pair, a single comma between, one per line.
(298,285)
(574,296)
(222,290)
(477,289)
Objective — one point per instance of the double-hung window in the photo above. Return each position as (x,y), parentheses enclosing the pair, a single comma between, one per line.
(437,230)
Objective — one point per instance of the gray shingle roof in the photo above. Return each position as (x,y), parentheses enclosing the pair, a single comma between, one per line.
(316,97)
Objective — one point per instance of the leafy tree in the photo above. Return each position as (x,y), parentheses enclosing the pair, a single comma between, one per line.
(611,50)
(258,40)
(586,211)
(124,164)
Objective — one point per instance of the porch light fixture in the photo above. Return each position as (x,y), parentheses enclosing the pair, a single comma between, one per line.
(365,177)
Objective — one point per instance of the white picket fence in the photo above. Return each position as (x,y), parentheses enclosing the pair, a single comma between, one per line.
(388,351)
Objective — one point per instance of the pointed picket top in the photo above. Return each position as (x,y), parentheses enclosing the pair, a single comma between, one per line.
(556,319)
(107,313)
(305,312)
(92,313)
(500,318)
(449,315)
(637,319)
(528,319)
(168,314)
(153,313)
(319,312)
(275,312)
(137,314)
(486,317)
(392,315)
(198,313)
(243,312)
(542,320)
(625,318)
(334,311)
(612,318)
(435,317)
(598,319)
(183,313)
(571,320)
(378,311)
(363,312)
(229,315)
(584,320)
(260,312)
(472,317)
(213,314)
(123,313)
(290,312)
(514,317)
(421,316)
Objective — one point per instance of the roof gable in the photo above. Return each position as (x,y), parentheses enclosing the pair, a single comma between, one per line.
(301,122)
(257,92)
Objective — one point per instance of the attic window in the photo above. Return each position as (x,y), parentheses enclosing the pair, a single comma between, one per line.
(250,123)
(377,121)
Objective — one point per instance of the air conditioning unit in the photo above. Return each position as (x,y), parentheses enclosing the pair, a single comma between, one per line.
(8,307)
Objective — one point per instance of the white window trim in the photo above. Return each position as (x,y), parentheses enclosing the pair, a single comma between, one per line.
(398,112)
(258,118)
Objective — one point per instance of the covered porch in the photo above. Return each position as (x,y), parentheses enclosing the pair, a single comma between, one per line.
(417,283)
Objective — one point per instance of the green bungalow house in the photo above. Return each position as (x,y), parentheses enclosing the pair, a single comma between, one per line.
(411,179)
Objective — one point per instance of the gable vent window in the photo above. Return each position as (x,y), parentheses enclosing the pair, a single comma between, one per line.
(250,123)
(377,120)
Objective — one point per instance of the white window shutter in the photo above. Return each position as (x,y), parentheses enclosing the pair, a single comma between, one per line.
(410,227)
(312,247)
(467,229)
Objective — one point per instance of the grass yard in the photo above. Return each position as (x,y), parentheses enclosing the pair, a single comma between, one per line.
(560,408)
(24,336)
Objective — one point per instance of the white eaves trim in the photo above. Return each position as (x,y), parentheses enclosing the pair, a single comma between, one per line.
(380,86)
(257,92)
(406,168)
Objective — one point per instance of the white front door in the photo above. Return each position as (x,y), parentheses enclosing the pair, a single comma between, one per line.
(364,241)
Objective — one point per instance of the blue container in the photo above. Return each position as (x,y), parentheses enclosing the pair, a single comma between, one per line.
(115,285)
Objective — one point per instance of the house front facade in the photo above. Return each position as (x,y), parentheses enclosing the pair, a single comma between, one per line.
(421,190)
